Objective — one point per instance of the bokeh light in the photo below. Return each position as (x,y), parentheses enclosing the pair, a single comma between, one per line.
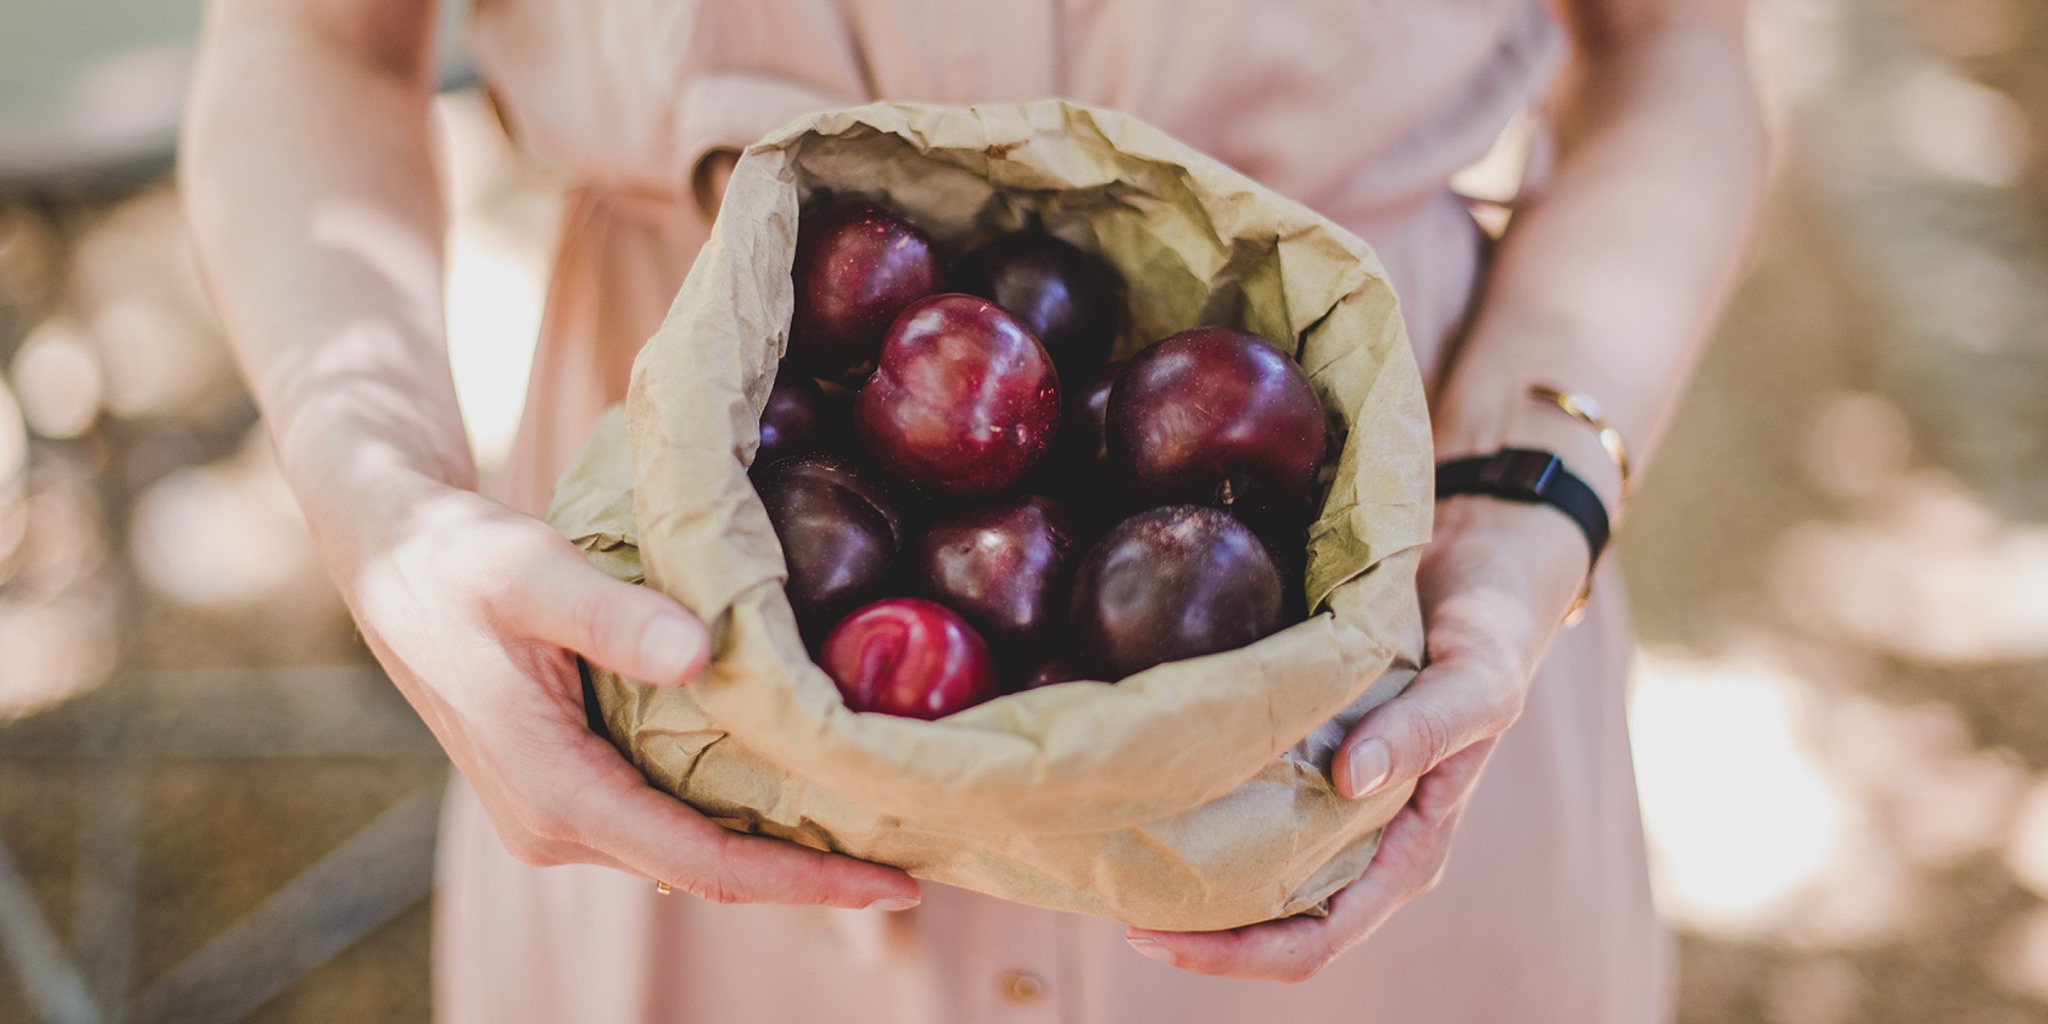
(1859,442)
(1741,816)
(1930,573)
(50,651)
(221,534)
(13,473)
(1959,128)
(13,438)
(2022,959)
(59,376)
(2027,853)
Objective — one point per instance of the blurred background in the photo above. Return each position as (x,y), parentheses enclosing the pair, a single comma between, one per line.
(213,808)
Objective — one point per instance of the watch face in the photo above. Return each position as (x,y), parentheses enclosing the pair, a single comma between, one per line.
(1519,472)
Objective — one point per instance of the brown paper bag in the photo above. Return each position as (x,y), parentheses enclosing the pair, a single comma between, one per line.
(1191,796)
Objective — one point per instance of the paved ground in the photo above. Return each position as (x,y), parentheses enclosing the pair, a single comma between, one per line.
(1840,570)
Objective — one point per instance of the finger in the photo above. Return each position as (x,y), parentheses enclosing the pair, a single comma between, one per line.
(552,729)
(556,597)
(1449,706)
(1288,950)
(1410,859)
(1416,843)
(662,837)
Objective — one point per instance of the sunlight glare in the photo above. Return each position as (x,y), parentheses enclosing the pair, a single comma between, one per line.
(1740,818)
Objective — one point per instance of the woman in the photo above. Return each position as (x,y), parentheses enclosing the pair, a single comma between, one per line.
(311,185)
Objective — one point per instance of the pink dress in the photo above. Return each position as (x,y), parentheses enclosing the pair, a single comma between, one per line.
(1359,108)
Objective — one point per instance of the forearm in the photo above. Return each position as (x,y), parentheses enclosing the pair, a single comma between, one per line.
(1610,283)
(316,214)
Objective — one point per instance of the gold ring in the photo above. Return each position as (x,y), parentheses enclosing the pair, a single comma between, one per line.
(663,887)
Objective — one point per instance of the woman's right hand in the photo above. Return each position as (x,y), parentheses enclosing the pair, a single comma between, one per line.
(477,613)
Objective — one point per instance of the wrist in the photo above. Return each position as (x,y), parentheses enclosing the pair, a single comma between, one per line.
(359,434)
(1530,555)
(356,485)
(1574,443)
(1481,417)
(368,512)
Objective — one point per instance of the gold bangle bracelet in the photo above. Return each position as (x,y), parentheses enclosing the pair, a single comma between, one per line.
(1586,410)
(1577,611)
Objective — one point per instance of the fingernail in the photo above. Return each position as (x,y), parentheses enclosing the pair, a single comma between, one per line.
(668,647)
(1152,949)
(1369,766)
(893,903)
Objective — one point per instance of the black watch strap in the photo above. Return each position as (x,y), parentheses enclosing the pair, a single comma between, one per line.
(1524,474)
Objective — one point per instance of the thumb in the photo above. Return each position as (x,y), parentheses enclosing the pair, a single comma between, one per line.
(1449,706)
(559,598)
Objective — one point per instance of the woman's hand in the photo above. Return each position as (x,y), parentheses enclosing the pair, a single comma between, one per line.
(1494,584)
(477,613)
(1605,284)
(312,190)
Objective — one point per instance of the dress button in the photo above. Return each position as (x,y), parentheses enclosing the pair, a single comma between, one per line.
(1021,987)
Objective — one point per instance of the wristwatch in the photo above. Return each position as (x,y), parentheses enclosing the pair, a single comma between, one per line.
(1537,477)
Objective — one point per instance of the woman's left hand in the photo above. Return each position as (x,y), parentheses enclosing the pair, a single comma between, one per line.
(1494,585)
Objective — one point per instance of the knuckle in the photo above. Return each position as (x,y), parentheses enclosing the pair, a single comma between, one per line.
(714,883)
(589,611)
(500,567)
(714,888)
(1432,729)
(1300,971)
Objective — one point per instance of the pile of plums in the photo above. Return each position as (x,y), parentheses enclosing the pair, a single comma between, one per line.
(972,499)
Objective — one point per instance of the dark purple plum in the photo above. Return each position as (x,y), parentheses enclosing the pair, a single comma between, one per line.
(1076,470)
(1064,294)
(1217,416)
(1007,567)
(858,265)
(963,402)
(841,531)
(1172,583)
(1082,447)
(1058,670)
(796,419)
